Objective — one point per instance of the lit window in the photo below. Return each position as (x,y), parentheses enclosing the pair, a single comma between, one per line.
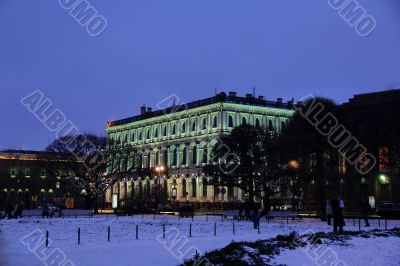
(384,159)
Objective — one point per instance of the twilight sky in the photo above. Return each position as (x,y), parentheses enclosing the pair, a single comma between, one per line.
(154,48)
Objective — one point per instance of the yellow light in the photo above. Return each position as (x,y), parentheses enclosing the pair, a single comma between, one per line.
(294,164)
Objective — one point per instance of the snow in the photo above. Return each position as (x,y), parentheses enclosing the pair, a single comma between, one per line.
(357,251)
(16,238)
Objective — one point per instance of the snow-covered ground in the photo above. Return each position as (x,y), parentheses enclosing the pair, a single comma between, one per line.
(19,238)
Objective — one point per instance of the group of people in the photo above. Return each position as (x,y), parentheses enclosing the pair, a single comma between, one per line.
(334,209)
(250,212)
(13,212)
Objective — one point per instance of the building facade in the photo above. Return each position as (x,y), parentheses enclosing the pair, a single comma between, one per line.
(171,145)
(32,178)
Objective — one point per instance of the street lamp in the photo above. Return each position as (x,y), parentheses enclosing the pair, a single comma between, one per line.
(159,169)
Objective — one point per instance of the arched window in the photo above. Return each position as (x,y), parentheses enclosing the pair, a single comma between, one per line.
(204,157)
(165,162)
(270,126)
(230,121)
(173,130)
(126,138)
(194,126)
(258,122)
(204,123)
(184,156)
(140,135)
(133,137)
(175,157)
(140,188)
(148,188)
(194,155)
(244,121)
(183,187)
(156,158)
(183,127)
(156,133)
(283,125)
(215,122)
(165,131)
(148,134)
(205,184)
(194,187)
(148,161)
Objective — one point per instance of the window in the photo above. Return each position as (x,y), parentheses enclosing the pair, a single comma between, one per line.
(173,130)
(126,138)
(183,187)
(156,133)
(194,126)
(184,156)
(165,131)
(194,187)
(283,125)
(258,122)
(205,184)
(175,157)
(270,126)
(383,159)
(194,155)
(244,121)
(140,135)
(215,122)
(133,136)
(204,123)
(204,157)
(148,134)
(230,121)
(183,127)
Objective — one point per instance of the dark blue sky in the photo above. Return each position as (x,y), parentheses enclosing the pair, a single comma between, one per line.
(152,49)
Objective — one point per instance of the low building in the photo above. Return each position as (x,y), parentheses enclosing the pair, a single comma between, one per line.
(32,178)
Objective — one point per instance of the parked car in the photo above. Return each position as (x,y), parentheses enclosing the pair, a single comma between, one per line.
(389,209)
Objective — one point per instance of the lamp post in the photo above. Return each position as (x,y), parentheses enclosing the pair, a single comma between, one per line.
(159,169)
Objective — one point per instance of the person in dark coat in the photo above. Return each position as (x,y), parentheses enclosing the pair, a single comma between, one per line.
(247,210)
(9,210)
(241,208)
(365,209)
(337,212)
(254,216)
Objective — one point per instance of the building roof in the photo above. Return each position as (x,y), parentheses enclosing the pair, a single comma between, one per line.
(373,98)
(30,155)
(219,98)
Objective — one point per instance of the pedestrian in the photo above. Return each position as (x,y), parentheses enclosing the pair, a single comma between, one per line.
(8,212)
(337,206)
(241,211)
(247,209)
(18,211)
(365,209)
(328,211)
(45,211)
(255,217)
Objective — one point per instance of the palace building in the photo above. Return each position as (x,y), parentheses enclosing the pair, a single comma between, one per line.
(167,148)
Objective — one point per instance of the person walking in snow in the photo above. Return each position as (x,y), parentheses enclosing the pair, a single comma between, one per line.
(337,211)
(329,213)
(365,209)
